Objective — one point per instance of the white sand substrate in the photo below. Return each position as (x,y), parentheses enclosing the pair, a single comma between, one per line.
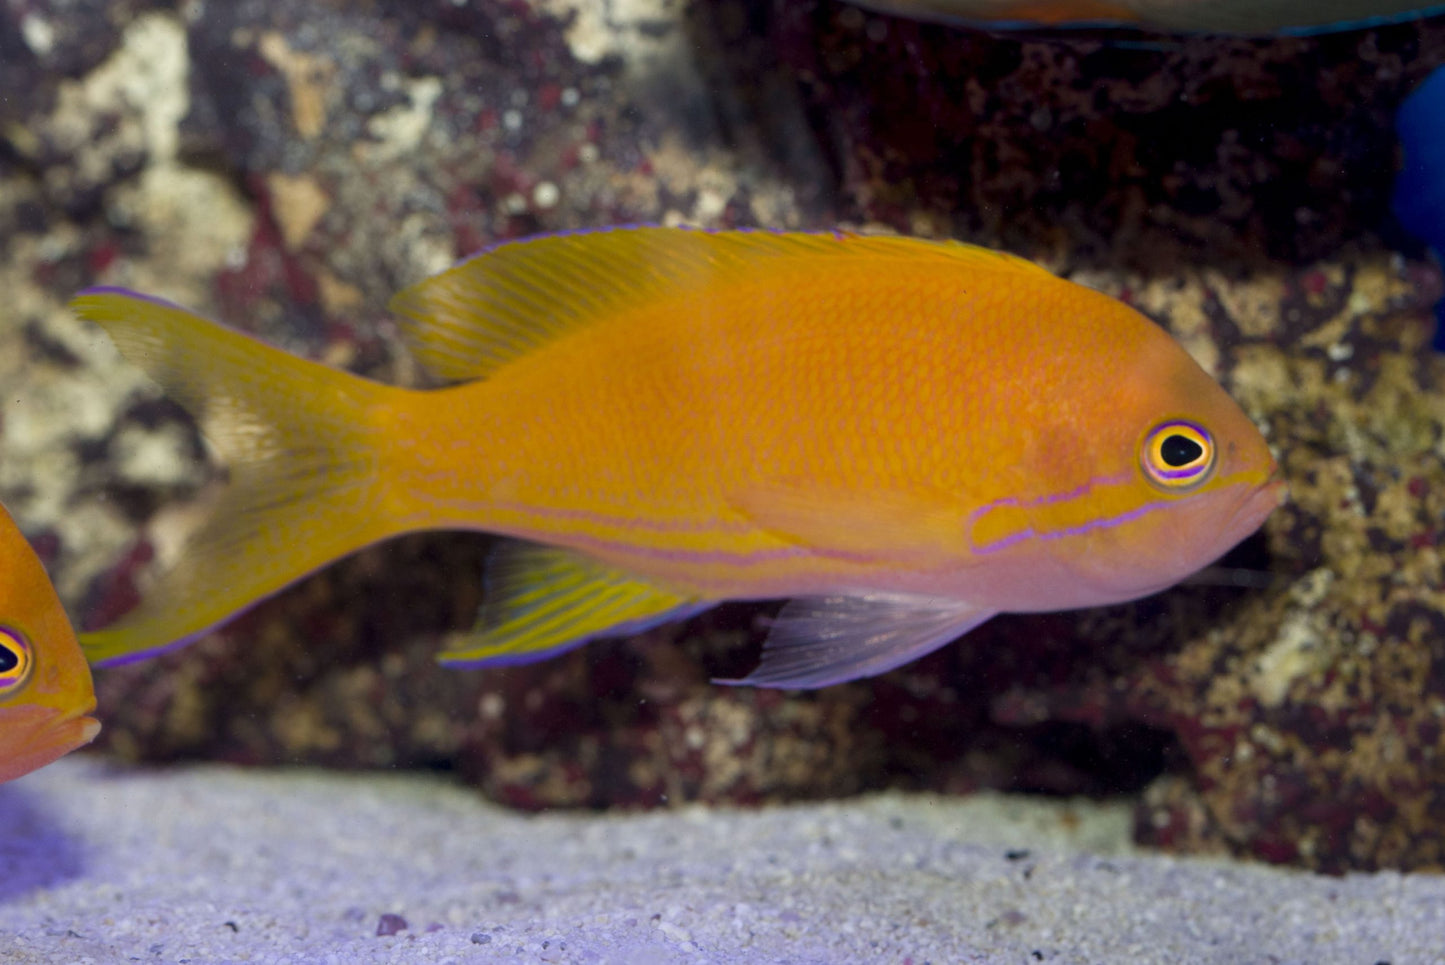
(100,864)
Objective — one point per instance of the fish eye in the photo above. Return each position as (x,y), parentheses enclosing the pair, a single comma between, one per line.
(1177,456)
(16,661)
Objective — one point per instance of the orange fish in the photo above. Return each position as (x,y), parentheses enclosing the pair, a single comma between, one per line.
(45,688)
(903,436)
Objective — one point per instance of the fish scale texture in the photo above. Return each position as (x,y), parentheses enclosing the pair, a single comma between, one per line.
(217,866)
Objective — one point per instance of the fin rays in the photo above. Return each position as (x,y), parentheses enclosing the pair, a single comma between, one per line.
(542,600)
(294,436)
(509,300)
(824,640)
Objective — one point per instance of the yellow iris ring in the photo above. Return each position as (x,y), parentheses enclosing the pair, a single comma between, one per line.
(16,659)
(1178,456)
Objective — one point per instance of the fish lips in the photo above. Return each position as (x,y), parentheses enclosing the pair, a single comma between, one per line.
(1253,509)
(33,736)
(1260,503)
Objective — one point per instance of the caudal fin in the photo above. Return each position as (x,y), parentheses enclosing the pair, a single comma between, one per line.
(296,438)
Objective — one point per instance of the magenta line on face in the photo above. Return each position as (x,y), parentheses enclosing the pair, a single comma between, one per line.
(1050,499)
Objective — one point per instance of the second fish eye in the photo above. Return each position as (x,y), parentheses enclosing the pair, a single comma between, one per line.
(16,661)
(1177,456)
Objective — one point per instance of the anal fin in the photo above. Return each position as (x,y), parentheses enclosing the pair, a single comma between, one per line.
(822,640)
(542,601)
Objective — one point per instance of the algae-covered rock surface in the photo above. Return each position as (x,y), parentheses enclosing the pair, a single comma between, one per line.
(287,165)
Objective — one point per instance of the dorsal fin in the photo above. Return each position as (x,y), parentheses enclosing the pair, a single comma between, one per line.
(507,301)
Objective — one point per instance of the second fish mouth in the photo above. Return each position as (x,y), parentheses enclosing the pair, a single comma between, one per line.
(79,728)
(89,729)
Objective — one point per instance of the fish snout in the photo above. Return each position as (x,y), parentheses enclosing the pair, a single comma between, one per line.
(1272,495)
(31,737)
(1254,509)
(79,730)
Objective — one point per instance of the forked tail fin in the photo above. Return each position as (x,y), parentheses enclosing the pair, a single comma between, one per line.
(297,439)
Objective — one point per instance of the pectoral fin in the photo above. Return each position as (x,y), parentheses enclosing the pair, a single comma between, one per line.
(542,600)
(912,527)
(818,641)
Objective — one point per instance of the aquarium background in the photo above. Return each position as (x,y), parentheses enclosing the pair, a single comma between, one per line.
(287,166)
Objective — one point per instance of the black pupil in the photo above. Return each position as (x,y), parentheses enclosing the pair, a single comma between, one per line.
(9,660)
(1179,451)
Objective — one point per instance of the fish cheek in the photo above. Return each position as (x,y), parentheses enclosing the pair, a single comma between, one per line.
(1125,547)
(1164,544)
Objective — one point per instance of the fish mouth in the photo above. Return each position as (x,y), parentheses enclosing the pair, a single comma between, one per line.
(1271,495)
(83,729)
(81,724)
(1253,509)
(35,736)
(72,730)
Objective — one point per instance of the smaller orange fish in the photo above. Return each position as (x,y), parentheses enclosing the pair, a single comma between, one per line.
(45,686)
